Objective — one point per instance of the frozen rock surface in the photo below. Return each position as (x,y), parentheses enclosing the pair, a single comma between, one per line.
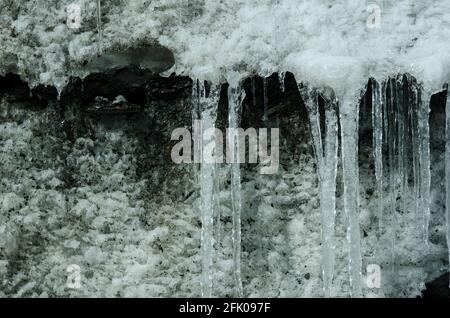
(100,192)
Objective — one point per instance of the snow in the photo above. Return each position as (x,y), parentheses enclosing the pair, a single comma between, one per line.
(324,43)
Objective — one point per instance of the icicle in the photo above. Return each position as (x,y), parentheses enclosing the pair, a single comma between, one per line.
(59,89)
(281,79)
(400,133)
(402,140)
(393,155)
(326,158)
(195,140)
(266,99)
(413,111)
(392,140)
(207,104)
(99,26)
(424,149)
(217,211)
(377,124)
(235,97)
(385,102)
(447,168)
(349,143)
(254,91)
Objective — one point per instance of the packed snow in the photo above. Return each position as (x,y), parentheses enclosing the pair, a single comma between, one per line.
(336,44)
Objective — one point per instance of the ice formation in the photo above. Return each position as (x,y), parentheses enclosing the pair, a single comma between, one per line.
(348,113)
(447,170)
(235,98)
(329,46)
(377,124)
(424,148)
(265,99)
(207,102)
(326,157)
(99,26)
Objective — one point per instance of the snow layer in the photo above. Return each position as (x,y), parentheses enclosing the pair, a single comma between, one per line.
(326,43)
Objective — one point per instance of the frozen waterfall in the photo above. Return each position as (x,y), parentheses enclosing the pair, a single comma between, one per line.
(401,167)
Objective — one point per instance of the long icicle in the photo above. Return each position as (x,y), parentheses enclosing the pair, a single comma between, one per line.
(401,142)
(265,99)
(447,169)
(208,103)
(394,172)
(99,27)
(217,211)
(413,97)
(349,144)
(326,158)
(404,143)
(196,116)
(391,147)
(254,91)
(424,131)
(377,124)
(235,97)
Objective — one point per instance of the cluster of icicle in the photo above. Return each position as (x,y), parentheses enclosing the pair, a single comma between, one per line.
(401,153)
(205,103)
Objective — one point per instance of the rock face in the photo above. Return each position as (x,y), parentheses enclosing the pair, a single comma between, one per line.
(438,288)
(12,85)
(16,89)
(155,59)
